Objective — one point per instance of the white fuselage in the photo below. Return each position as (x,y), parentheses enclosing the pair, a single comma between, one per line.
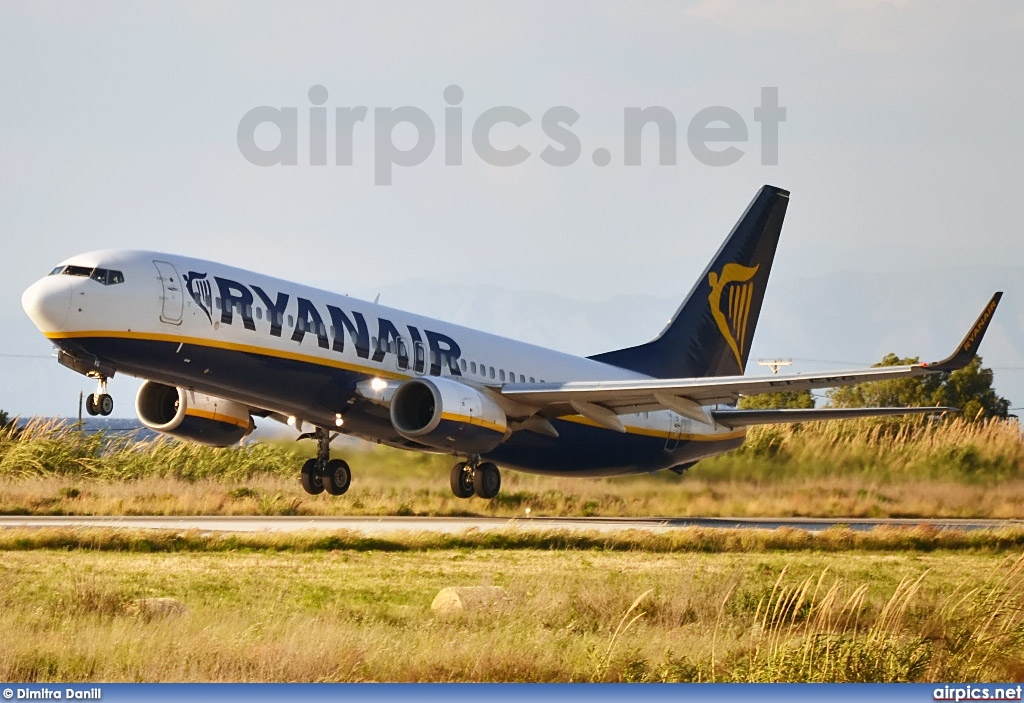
(297,351)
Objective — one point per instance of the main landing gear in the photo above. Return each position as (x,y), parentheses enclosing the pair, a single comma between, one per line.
(474,478)
(324,473)
(100,402)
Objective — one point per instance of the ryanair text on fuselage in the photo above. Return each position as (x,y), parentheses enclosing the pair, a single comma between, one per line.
(237,298)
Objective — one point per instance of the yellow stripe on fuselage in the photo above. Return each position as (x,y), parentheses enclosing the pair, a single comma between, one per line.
(367,370)
(231,346)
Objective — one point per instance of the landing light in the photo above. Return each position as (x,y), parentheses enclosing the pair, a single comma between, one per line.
(291,421)
(339,420)
(378,384)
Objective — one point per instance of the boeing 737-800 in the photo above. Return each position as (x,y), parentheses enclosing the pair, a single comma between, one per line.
(218,346)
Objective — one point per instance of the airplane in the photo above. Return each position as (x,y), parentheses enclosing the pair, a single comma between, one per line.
(218,346)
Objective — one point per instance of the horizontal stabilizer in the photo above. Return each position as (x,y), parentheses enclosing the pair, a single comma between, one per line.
(745,418)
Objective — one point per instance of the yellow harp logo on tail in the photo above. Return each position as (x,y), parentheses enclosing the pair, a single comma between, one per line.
(732,321)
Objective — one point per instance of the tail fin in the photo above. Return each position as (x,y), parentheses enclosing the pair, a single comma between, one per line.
(711,332)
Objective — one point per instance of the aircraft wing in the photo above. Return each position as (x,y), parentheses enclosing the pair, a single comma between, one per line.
(602,401)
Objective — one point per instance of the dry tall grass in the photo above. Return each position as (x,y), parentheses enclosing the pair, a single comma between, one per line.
(886,450)
(52,448)
(811,632)
(866,468)
(573,615)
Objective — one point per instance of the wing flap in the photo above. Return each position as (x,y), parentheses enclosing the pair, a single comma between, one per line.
(599,414)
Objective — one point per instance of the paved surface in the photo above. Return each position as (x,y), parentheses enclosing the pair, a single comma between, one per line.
(386,525)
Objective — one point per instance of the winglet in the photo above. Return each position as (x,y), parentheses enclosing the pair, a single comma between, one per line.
(969,346)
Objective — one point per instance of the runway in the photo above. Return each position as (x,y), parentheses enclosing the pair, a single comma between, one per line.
(455,525)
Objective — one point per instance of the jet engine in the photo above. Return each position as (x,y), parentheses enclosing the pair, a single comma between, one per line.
(197,417)
(448,415)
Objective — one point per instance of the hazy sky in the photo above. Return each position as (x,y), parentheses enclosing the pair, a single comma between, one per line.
(902,142)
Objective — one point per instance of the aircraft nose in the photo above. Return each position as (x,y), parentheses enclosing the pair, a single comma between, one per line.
(47,302)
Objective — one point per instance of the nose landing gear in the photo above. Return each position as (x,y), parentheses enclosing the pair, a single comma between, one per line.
(100,402)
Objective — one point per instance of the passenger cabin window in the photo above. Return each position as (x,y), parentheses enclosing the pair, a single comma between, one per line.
(501,375)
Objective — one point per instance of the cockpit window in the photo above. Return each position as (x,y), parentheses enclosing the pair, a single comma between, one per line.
(72,271)
(107,277)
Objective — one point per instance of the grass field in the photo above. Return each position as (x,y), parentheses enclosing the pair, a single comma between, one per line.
(358,613)
(840,469)
(692,605)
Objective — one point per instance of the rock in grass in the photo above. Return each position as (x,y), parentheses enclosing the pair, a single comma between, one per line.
(155,607)
(465,599)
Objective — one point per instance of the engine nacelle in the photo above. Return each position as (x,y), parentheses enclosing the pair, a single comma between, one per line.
(193,416)
(448,415)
